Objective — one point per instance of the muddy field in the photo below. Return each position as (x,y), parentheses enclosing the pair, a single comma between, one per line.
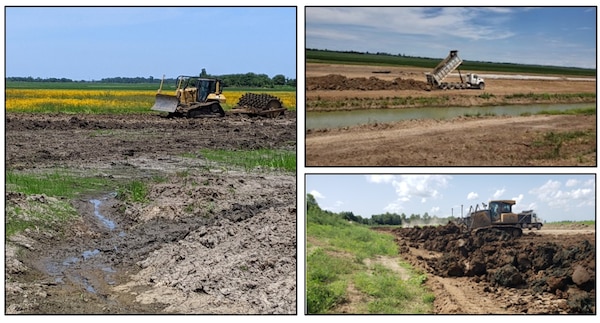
(463,141)
(550,271)
(209,239)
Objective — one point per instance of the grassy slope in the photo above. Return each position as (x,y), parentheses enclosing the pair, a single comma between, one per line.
(337,274)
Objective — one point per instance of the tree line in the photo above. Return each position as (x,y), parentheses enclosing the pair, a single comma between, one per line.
(231,80)
(379,219)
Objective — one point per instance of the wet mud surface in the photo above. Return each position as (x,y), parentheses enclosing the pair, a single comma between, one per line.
(490,272)
(206,241)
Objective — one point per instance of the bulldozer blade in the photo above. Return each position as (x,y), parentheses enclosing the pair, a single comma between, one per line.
(166,103)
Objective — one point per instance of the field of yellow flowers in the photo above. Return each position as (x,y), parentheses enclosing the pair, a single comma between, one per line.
(106,101)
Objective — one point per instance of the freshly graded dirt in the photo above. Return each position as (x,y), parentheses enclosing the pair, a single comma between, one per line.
(476,141)
(209,239)
(489,272)
(463,141)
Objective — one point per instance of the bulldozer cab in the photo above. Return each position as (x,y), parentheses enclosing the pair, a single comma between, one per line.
(501,211)
(195,89)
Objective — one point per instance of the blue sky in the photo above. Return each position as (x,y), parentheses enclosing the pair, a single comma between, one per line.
(542,35)
(555,197)
(98,42)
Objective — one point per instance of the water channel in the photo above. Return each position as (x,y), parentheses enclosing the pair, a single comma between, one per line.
(76,267)
(338,119)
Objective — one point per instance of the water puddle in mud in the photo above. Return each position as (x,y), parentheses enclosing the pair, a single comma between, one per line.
(83,267)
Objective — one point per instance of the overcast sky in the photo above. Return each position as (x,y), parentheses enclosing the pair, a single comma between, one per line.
(98,42)
(544,35)
(553,197)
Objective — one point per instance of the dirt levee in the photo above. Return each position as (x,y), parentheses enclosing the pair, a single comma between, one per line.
(501,274)
(340,82)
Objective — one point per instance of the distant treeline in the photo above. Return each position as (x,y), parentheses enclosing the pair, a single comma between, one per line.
(382,58)
(378,219)
(230,80)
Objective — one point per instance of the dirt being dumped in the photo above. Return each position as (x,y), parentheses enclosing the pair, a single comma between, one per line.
(490,272)
(208,238)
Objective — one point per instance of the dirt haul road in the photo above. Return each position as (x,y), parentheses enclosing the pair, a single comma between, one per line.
(465,141)
(542,272)
(209,239)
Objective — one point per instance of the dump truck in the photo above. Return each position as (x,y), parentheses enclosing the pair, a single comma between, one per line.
(496,214)
(435,79)
(195,97)
(528,220)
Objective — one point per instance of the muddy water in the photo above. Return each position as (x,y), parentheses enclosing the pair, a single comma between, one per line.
(80,265)
(338,119)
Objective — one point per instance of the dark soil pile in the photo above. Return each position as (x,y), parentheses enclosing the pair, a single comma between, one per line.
(339,83)
(566,269)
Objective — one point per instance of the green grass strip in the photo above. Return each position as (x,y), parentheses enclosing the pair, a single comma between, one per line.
(252,159)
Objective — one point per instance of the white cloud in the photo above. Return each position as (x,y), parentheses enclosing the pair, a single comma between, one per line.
(394,208)
(472,196)
(498,194)
(410,21)
(317,194)
(422,186)
(380,178)
(571,183)
(518,199)
(552,194)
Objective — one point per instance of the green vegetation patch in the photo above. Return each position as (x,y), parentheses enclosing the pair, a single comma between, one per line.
(589,111)
(57,183)
(392,295)
(37,211)
(41,201)
(335,262)
(325,286)
(267,159)
(134,191)
(553,142)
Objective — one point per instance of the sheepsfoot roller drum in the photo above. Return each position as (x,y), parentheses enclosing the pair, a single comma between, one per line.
(263,104)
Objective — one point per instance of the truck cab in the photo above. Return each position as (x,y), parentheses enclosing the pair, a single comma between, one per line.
(475,81)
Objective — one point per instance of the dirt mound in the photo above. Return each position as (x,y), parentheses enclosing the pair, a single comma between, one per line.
(566,270)
(338,82)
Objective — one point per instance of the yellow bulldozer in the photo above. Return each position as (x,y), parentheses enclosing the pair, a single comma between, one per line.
(195,97)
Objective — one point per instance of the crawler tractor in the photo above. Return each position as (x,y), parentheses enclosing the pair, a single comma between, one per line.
(497,215)
(195,97)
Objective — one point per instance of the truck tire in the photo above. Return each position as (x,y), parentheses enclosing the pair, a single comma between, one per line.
(481,86)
